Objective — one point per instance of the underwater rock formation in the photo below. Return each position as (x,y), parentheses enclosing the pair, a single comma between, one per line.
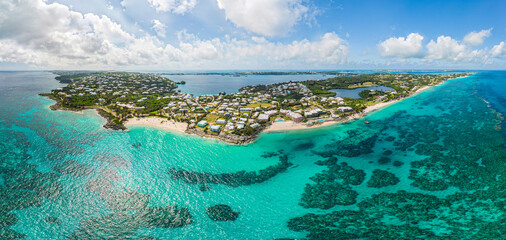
(460,148)
(304,146)
(54,220)
(236,179)
(23,186)
(329,162)
(382,178)
(332,187)
(221,212)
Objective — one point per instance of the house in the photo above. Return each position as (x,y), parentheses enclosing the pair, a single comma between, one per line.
(202,123)
(263,118)
(295,116)
(344,109)
(221,121)
(215,128)
(255,125)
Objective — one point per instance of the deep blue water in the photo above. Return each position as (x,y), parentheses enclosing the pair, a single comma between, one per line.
(431,166)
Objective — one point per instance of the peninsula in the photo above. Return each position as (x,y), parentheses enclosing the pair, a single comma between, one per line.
(125,98)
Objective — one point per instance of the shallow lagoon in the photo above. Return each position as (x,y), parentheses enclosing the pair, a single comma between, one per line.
(450,145)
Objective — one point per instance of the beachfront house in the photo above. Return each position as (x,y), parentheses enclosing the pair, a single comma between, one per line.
(215,128)
(344,109)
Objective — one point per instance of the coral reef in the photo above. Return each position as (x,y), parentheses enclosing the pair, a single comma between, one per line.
(221,212)
(332,187)
(381,178)
(236,179)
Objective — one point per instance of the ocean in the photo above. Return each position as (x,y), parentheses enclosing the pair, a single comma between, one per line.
(431,166)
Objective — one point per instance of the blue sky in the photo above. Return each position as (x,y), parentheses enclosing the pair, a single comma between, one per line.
(251,34)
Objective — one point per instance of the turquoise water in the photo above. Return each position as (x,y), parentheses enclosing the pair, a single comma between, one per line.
(431,166)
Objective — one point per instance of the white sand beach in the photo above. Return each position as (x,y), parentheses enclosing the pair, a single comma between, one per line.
(158,123)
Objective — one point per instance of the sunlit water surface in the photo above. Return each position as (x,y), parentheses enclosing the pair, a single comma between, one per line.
(63,175)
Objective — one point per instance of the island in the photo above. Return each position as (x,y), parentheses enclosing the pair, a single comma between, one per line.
(127,98)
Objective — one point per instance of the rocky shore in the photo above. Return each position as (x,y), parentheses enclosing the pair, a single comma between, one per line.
(101,112)
(229,138)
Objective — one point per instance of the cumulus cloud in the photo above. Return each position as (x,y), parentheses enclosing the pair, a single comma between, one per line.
(444,48)
(498,50)
(53,36)
(175,6)
(265,17)
(159,27)
(449,49)
(401,47)
(477,38)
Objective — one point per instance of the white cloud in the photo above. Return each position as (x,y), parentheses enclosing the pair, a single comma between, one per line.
(449,49)
(498,50)
(477,38)
(401,47)
(175,6)
(159,27)
(444,48)
(53,36)
(265,17)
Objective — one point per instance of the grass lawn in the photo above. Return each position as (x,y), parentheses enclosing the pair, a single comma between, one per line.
(211,118)
(254,105)
(365,84)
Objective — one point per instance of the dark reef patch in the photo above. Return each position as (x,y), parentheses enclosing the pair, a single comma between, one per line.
(221,212)
(387,153)
(54,220)
(398,163)
(332,187)
(460,148)
(381,178)
(23,186)
(204,188)
(384,160)
(329,162)
(236,179)
(350,147)
(304,146)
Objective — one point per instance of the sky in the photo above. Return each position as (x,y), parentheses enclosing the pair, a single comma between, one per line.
(181,35)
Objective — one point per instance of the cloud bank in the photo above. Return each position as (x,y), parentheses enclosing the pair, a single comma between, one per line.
(54,36)
(444,48)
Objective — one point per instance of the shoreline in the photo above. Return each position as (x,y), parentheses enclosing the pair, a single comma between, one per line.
(157,122)
(290,125)
(179,127)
